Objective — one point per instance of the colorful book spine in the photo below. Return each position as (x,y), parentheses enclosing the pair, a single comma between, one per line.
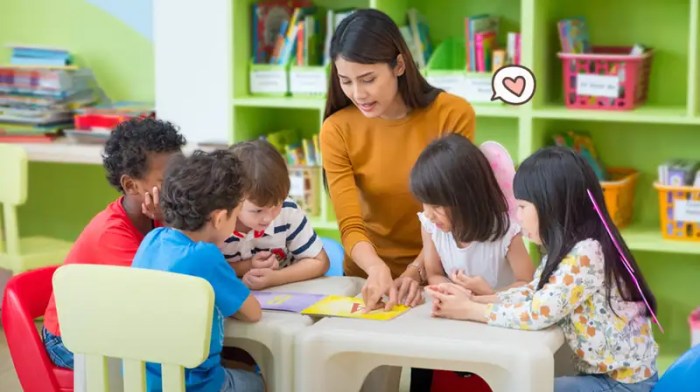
(499,59)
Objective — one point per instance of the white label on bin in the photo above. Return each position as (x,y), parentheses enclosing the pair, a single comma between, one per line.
(268,81)
(478,89)
(296,182)
(452,83)
(308,82)
(598,85)
(686,211)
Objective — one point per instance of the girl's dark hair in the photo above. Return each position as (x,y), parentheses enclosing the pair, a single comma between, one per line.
(369,36)
(453,173)
(555,181)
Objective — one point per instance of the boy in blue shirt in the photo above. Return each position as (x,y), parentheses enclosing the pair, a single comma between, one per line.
(200,200)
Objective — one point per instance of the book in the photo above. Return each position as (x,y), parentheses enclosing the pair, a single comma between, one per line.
(499,59)
(289,302)
(484,43)
(573,35)
(351,307)
(473,25)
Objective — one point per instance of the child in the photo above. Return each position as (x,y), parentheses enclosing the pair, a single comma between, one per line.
(135,157)
(201,199)
(274,242)
(467,235)
(588,282)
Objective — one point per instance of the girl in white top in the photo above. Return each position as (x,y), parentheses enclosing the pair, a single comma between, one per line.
(468,238)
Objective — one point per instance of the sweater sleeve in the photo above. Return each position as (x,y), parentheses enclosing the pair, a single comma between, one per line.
(342,187)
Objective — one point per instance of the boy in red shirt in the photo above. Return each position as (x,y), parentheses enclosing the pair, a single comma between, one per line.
(135,158)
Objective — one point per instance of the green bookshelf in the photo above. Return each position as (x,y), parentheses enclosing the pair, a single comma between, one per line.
(667,126)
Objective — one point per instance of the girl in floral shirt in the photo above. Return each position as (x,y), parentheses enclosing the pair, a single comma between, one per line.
(583,283)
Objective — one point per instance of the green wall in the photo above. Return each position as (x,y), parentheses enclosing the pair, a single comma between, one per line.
(63,197)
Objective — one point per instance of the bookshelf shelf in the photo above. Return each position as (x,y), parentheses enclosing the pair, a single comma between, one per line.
(487,110)
(646,237)
(280,102)
(674,114)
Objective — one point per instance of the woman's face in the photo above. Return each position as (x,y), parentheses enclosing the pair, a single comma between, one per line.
(373,88)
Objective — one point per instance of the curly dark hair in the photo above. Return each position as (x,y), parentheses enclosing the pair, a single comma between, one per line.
(127,149)
(197,185)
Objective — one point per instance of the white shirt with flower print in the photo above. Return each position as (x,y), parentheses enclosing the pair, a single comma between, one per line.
(621,346)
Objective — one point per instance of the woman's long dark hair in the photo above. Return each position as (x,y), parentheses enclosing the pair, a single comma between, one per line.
(453,173)
(369,36)
(556,180)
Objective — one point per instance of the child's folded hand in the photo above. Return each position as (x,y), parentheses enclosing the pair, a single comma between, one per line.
(450,300)
(476,284)
(259,278)
(265,259)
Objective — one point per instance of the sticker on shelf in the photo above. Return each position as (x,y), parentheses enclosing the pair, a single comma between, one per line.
(296,182)
(686,211)
(477,89)
(308,81)
(451,82)
(268,81)
(598,85)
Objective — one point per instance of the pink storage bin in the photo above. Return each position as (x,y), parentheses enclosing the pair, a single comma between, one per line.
(611,78)
(694,321)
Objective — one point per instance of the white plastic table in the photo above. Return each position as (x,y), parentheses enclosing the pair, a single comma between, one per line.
(270,341)
(336,354)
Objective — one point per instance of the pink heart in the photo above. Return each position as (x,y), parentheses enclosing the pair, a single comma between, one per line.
(515,86)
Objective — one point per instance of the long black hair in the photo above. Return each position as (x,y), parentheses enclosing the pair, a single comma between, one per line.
(453,173)
(369,36)
(555,180)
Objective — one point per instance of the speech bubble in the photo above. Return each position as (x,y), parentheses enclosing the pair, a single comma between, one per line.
(513,84)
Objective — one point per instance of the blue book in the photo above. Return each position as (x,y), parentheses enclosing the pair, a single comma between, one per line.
(38,61)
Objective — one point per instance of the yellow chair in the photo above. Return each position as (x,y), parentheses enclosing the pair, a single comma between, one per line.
(137,315)
(21,254)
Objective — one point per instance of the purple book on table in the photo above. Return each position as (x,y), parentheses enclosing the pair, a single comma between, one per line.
(290,302)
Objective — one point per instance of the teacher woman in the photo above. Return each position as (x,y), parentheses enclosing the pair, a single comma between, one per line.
(380,114)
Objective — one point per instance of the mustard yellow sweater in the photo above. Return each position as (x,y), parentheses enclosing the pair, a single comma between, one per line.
(368,162)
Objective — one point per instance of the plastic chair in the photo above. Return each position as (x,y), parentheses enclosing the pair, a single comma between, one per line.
(683,373)
(26,297)
(21,254)
(137,315)
(336,254)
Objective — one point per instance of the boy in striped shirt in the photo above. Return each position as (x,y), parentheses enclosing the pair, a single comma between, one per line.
(273,243)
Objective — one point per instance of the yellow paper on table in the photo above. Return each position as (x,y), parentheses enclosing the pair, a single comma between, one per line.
(352,307)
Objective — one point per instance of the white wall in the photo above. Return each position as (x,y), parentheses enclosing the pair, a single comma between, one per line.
(193,67)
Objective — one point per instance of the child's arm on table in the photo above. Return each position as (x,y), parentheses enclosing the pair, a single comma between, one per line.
(250,310)
(520,262)
(576,278)
(431,259)
(262,259)
(304,269)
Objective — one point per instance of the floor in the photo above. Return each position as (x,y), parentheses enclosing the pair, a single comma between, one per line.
(8,377)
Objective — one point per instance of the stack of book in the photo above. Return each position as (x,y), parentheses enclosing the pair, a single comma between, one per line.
(573,35)
(290,31)
(483,51)
(93,125)
(36,103)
